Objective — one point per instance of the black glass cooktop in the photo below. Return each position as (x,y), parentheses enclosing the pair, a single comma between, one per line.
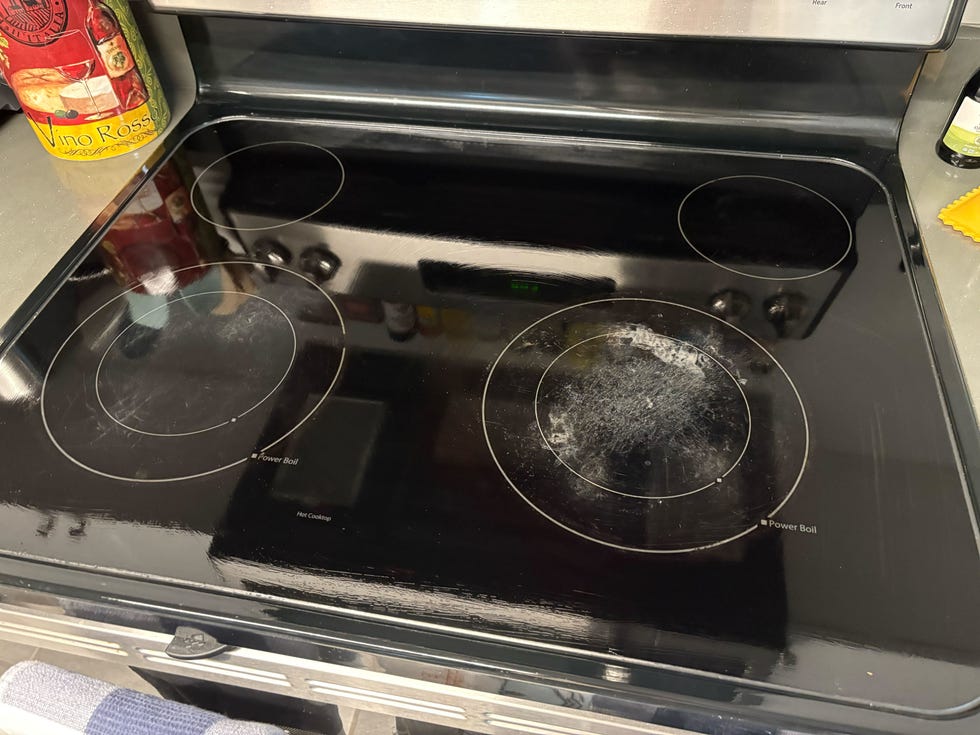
(656,406)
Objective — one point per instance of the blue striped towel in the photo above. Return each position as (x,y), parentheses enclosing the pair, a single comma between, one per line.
(36,697)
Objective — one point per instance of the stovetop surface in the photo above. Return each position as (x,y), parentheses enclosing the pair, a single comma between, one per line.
(652,405)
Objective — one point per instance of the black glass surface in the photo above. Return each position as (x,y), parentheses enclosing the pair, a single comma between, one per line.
(489,385)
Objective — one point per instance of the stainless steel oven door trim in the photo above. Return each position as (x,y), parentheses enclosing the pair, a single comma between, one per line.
(354,687)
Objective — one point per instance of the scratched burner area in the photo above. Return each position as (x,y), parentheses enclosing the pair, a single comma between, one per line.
(192,372)
(637,413)
(223,380)
(648,426)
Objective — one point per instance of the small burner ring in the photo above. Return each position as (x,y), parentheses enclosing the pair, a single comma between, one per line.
(321,200)
(765,227)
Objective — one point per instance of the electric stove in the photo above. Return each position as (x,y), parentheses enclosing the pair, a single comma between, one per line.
(659,408)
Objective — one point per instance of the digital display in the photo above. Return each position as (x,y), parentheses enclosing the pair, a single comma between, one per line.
(525,287)
(440,277)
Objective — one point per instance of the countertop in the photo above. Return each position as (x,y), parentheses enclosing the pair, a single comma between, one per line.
(39,229)
(47,204)
(953,258)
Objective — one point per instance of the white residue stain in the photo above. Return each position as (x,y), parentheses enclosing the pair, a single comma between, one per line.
(665,349)
(642,413)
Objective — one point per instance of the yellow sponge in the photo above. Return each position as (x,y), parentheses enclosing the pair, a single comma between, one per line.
(964,214)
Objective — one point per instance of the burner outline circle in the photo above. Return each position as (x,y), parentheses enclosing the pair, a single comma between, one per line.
(257,450)
(622,547)
(847,250)
(327,203)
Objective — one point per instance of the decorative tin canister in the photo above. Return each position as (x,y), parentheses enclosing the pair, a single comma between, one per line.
(82,75)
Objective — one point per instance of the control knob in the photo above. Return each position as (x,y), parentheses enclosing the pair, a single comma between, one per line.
(784,311)
(729,305)
(270,252)
(319,263)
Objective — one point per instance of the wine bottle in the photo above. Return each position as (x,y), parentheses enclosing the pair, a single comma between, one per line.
(960,144)
(117,58)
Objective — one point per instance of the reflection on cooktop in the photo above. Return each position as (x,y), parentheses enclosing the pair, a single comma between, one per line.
(206,399)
